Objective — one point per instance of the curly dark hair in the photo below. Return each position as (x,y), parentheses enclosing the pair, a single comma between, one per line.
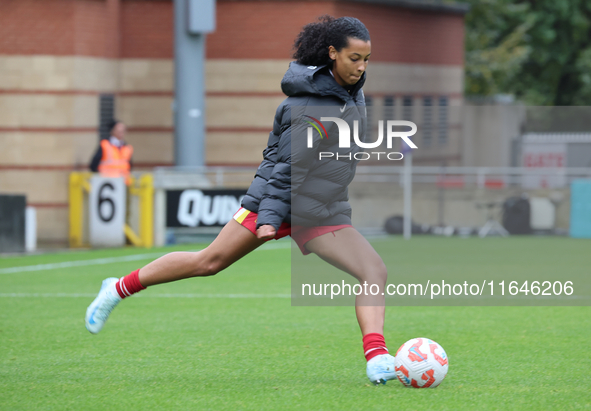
(311,45)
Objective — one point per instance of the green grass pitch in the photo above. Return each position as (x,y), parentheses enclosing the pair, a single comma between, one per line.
(234,342)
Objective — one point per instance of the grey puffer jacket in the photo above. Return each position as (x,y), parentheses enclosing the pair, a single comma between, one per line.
(293,184)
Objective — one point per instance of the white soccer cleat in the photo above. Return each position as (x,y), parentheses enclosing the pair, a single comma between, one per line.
(381,369)
(98,312)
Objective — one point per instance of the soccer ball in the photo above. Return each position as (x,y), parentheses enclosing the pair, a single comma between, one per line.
(421,363)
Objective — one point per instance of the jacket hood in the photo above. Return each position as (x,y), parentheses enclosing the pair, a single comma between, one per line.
(317,80)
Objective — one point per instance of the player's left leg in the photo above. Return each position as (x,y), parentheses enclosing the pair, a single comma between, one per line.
(233,242)
(349,251)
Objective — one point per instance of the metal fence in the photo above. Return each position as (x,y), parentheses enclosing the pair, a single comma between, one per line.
(467,199)
(445,199)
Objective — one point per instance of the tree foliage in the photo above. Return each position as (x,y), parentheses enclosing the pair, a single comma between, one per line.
(537,50)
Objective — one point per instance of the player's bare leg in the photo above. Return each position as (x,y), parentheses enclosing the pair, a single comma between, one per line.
(349,251)
(233,243)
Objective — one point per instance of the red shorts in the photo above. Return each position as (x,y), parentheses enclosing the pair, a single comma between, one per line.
(300,234)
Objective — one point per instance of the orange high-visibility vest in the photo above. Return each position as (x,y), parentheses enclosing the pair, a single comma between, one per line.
(115,161)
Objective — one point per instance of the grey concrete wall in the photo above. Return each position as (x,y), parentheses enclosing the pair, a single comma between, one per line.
(488,131)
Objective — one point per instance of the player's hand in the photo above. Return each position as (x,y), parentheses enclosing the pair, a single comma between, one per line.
(266,232)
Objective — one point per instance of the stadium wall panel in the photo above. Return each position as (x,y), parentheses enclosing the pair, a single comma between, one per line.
(242,111)
(49,186)
(414,78)
(46,111)
(146,75)
(239,147)
(55,222)
(152,146)
(46,148)
(245,75)
(57,73)
(145,111)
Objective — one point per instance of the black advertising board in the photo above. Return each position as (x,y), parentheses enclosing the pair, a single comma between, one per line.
(201,208)
(12,223)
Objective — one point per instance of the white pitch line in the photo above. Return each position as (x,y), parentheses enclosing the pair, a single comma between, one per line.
(79,263)
(87,295)
(109,260)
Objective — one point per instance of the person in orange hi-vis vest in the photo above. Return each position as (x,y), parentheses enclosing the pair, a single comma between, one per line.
(113,156)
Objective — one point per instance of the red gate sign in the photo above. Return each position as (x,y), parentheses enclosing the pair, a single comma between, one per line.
(544,155)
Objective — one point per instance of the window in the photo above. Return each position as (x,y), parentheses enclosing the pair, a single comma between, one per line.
(407,108)
(369,106)
(442,121)
(389,108)
(427,121)
(106,114)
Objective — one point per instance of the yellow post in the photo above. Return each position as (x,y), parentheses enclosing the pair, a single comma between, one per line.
(78,184)
(146,195)
(76,200)
(144,189)
(132,236)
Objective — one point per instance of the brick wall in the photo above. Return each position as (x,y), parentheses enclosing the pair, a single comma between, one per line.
(410,36)
(267,29)
(94,28)
(147,29)
(261,29)
(59,27)
(245,30)
(36,27)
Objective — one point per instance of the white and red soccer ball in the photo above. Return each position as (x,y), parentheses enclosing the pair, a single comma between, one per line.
(421,363)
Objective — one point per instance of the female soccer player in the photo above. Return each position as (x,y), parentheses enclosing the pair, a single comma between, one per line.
(329,71)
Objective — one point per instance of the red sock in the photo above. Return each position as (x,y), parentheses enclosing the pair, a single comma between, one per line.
(374,344)
(129,285)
